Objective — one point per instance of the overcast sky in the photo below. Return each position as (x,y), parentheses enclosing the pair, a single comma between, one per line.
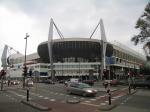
(75,18)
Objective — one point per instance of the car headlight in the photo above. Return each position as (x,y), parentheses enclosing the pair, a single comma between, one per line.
(89,91)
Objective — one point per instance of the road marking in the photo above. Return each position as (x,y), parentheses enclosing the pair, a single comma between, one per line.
(92,99)
(12,98)
(90,104)
(82,98)
(46,98)
(102,103)
(41,96)
(22,96)
(74,97)
(100,97)
(106,101)
(87,101)
(52,100)
(113,99)
(61,94)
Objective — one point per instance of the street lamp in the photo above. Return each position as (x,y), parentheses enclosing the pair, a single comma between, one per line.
(25,72)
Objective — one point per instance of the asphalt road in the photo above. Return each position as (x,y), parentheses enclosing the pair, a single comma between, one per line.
(13,95)
(139,102)
(9,103)
(52,92)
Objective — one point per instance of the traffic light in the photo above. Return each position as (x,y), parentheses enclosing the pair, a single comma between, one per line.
(30,73)
(24,71)
(2,73)
(104,73)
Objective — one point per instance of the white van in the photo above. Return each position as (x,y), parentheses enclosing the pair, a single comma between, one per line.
(74,80)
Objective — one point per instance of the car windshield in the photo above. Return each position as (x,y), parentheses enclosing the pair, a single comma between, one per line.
(84,86)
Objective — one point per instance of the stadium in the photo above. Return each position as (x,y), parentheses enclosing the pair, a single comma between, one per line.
(76,57)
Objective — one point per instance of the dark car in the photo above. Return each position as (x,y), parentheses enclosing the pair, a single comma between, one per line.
(49,81)
(90,82)
(142,83)
(113,82)
(14,82)
(81,89)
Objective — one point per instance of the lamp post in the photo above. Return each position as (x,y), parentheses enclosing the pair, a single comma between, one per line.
(25,72)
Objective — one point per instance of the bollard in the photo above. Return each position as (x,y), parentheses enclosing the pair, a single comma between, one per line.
(109,97)
(27,94)
(129,89)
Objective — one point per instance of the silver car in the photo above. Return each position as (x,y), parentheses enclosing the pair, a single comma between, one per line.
(81,89)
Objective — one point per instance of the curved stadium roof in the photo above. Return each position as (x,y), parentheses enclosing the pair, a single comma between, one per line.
(89,49)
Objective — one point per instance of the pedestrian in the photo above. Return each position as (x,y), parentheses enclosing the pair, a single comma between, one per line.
(8,82)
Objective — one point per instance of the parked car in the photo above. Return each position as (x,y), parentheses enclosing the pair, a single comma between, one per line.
(49,81)
(90,82)
(14,82)
(28,83)
(81,89)
(111,82)
(61,81)
(72,80)
(142,83)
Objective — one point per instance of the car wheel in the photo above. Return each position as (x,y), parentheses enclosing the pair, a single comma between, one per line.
(69,92)
(84,94)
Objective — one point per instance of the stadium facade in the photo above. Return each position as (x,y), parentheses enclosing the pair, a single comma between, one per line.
(78,57)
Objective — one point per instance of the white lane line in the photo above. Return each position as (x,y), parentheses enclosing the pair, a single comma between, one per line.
(41,96)
(102,103)
(92,99)
(106,101)
(46,98)
(12,98)
(22,96)
(90,104)
(82,98)
(74,97)
(61,94)
(52,100)
(113,99)
(87,101)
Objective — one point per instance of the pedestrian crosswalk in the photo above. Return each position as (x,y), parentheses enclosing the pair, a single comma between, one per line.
(83,100)
(62,97)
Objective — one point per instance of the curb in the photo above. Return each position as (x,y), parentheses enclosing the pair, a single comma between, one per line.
(36,105)
(107,107)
